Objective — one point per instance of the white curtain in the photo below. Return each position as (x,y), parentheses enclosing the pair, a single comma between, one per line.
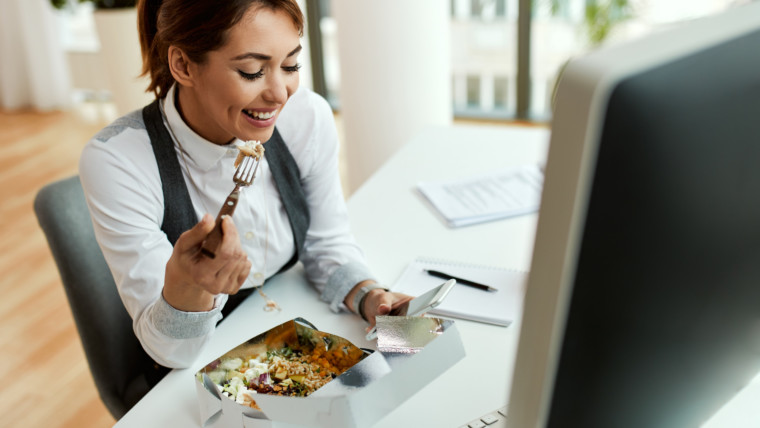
(33,68)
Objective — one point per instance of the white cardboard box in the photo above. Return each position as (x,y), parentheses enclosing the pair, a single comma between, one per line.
(412,351)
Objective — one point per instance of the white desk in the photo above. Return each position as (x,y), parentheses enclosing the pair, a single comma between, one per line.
(393,226)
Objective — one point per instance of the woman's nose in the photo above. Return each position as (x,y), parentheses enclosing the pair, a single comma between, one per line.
(277,90)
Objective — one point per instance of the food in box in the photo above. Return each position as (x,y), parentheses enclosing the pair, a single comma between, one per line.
(291,359)
(258,384)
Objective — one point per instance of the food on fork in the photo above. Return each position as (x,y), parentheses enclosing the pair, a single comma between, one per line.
(251,148)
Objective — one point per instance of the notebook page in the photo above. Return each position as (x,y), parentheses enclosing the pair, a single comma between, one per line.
(464,302)
(504,193)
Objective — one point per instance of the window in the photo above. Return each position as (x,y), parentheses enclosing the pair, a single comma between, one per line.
(488,57)
(486,9)
(473,92)
(561,29)
(501,93)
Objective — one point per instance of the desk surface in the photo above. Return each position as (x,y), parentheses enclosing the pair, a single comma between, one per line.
(394,226)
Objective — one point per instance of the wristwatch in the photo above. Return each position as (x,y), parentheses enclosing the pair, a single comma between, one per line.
(361,295)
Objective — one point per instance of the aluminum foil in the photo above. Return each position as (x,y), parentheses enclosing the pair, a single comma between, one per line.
(407,335)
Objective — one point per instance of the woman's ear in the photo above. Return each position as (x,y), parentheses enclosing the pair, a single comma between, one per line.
(180,66)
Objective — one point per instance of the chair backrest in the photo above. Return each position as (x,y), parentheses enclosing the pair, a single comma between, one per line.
(115,357)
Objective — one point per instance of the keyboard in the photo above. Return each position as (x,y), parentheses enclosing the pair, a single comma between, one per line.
(495,419)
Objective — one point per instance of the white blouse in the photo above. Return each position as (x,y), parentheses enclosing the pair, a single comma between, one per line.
(122,186)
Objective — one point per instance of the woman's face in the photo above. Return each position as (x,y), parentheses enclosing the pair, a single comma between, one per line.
(240,89)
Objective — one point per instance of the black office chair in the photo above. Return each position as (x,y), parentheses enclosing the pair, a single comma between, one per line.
(115,357)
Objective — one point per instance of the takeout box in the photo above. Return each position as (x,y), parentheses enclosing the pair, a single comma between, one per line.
(412,351)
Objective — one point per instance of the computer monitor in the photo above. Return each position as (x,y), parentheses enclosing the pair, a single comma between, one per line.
(642,307)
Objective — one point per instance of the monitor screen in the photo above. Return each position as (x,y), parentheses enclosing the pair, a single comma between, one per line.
(643,304)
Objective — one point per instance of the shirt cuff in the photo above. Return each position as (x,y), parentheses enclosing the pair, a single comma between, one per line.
(342,281)
(184,325)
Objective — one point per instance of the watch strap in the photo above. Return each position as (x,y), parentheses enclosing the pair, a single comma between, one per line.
(361,295)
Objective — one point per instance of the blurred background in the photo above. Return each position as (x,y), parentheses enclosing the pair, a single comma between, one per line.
(389,69)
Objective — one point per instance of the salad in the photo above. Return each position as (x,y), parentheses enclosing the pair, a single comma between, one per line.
(285,371)
(291,359)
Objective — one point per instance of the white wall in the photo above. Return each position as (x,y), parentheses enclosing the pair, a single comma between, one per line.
(395,72)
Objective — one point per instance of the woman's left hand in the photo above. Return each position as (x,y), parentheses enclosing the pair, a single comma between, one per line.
(381,302)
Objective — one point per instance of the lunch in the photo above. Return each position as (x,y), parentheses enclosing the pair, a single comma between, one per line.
(295,374)
(289,360)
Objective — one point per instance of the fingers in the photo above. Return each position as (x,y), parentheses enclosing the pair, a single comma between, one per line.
(384,308)
(231,265)
(380,302)
(230,246)
(227,271)
(244,272)
(194,237)
(234,264)
(400,303)
(232,275)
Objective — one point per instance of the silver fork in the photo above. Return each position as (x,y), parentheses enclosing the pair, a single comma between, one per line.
(243,177)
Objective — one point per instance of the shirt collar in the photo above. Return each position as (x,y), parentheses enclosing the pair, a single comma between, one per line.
(203,153)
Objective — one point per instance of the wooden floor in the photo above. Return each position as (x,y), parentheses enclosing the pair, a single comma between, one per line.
(46,381)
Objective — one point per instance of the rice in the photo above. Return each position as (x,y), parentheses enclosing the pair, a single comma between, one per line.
(282,372)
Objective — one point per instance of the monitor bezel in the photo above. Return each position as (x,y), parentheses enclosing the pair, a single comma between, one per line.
(582,97)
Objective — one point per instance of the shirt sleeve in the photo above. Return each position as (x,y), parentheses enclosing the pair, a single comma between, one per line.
(122,187)
(333,261)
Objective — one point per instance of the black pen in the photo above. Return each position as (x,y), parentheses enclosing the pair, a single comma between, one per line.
(460,280)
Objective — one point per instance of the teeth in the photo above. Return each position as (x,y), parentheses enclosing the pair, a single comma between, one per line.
(260,114)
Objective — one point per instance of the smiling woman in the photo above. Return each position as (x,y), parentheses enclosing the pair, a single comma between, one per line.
(235,92)
(223,73)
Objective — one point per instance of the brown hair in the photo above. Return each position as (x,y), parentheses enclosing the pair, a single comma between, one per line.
(196,27)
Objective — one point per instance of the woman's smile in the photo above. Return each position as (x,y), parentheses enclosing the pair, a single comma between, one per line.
(260,118)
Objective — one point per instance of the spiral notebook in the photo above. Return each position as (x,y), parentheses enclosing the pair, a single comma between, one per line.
(501,307)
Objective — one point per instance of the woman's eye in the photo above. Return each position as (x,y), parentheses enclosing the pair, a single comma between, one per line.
(292,68)
(249,76)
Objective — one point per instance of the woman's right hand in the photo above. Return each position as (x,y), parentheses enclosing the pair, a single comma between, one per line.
(192,279)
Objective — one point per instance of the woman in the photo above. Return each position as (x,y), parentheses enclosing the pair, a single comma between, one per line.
(222,72)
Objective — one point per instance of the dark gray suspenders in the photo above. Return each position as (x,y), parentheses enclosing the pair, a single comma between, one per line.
(287,178)
(179,214)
